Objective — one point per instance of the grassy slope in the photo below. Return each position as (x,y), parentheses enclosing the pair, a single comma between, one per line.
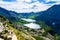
(20,34)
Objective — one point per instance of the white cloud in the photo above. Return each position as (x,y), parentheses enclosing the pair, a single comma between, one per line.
(27,0)
(21,6)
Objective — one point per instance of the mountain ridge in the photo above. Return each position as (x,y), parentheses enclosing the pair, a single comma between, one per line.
(51,16)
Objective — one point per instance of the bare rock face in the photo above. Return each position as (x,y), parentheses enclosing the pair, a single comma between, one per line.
(1,27)
(2,21)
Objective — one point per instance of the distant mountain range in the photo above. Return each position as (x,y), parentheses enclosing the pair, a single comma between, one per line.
(6,14)
(14,16)
(51,16)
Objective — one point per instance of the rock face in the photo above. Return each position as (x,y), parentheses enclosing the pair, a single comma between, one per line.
(1,39)
(1,27)
(2,20)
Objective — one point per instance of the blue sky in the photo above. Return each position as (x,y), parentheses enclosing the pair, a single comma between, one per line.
(28,5)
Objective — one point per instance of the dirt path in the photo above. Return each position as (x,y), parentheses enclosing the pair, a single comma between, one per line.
(14,37)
